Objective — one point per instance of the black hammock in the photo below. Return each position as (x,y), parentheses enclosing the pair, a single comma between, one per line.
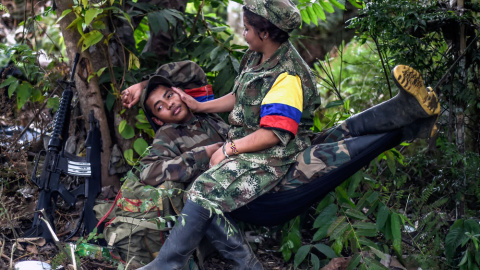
(277,208)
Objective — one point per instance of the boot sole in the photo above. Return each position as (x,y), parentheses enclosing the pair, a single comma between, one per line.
(410,81)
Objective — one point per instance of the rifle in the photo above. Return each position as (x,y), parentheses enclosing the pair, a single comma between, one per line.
(58,162)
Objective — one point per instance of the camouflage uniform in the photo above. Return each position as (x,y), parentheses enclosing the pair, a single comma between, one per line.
(178,150)
(328,152)
(240,179)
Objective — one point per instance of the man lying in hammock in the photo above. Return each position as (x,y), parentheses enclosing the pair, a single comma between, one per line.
(411,114)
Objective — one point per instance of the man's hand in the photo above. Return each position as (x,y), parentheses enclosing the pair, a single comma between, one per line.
(212,148)
(131,95)
(217,157)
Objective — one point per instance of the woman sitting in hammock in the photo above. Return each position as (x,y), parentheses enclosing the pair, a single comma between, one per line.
(271,109)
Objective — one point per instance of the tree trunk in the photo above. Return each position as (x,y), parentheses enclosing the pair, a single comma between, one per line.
(89,92)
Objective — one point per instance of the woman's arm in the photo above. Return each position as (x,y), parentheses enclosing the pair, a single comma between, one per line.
(218,105)
(256,141)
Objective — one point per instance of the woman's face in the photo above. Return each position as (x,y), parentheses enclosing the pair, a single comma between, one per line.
(251,37)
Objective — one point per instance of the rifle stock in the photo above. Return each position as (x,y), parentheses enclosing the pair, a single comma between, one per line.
(58,162)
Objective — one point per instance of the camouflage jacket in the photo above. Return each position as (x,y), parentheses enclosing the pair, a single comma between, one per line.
(178,150)
(280,94)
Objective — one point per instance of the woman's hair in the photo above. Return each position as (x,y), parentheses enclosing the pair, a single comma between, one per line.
(263,25)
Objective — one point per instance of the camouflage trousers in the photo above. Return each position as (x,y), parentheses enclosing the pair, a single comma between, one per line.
(234,182)
(328,152)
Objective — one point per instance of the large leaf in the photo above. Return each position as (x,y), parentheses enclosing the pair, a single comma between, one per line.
(354,261)
(338,228)
(326,250)
(24,92)
(337,4)
(326,215)
(157,22)
(12,88)
(454,238)
(396,232)
(314,261)
(305,16)
(382,216)
(8,81)
(301,254)
(140,146)
(354,213)
(326,6)
(319,11)
(91,14)
(126,130)
(91,38)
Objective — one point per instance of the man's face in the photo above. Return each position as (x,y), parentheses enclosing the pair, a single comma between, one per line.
(167,107)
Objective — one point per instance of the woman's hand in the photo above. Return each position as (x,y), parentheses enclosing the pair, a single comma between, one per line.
(189,100)
(131,95)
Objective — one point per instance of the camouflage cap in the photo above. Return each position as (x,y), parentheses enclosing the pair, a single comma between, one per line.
(282,13)
(183,74)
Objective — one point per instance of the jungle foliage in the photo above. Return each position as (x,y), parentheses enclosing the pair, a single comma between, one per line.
(418,202)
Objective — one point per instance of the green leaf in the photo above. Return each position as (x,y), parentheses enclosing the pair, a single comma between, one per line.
(319,11)
(64,13)
(301,254)
(379,254)
(373,264)
(218,29)
(53,103)
(314,261)
(109,101)
(313,16)
(396,233)
(327,6)
(128,155)
(121,126)
(365,225)
(91,38)
(356,179)
(12,88)
(157,22)
(126,130)
(354,213)
(338,229)
(23,94)
(391,162)
(133,62)
(8,81)
(382,216)
(354,261)
(454,238)
(335,103)
(356,4)
(305,16)
(326,250)
(337,4)
(91,14)
(140,146)
(327,214)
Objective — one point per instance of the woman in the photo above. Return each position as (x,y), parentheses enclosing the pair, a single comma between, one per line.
(271,106)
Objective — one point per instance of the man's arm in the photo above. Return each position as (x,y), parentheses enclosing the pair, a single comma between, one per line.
(167,164)
(131,95)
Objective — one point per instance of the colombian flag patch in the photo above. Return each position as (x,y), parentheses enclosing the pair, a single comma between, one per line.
(282,106)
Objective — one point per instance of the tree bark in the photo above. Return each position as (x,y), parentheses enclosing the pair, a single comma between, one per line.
(89,92)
